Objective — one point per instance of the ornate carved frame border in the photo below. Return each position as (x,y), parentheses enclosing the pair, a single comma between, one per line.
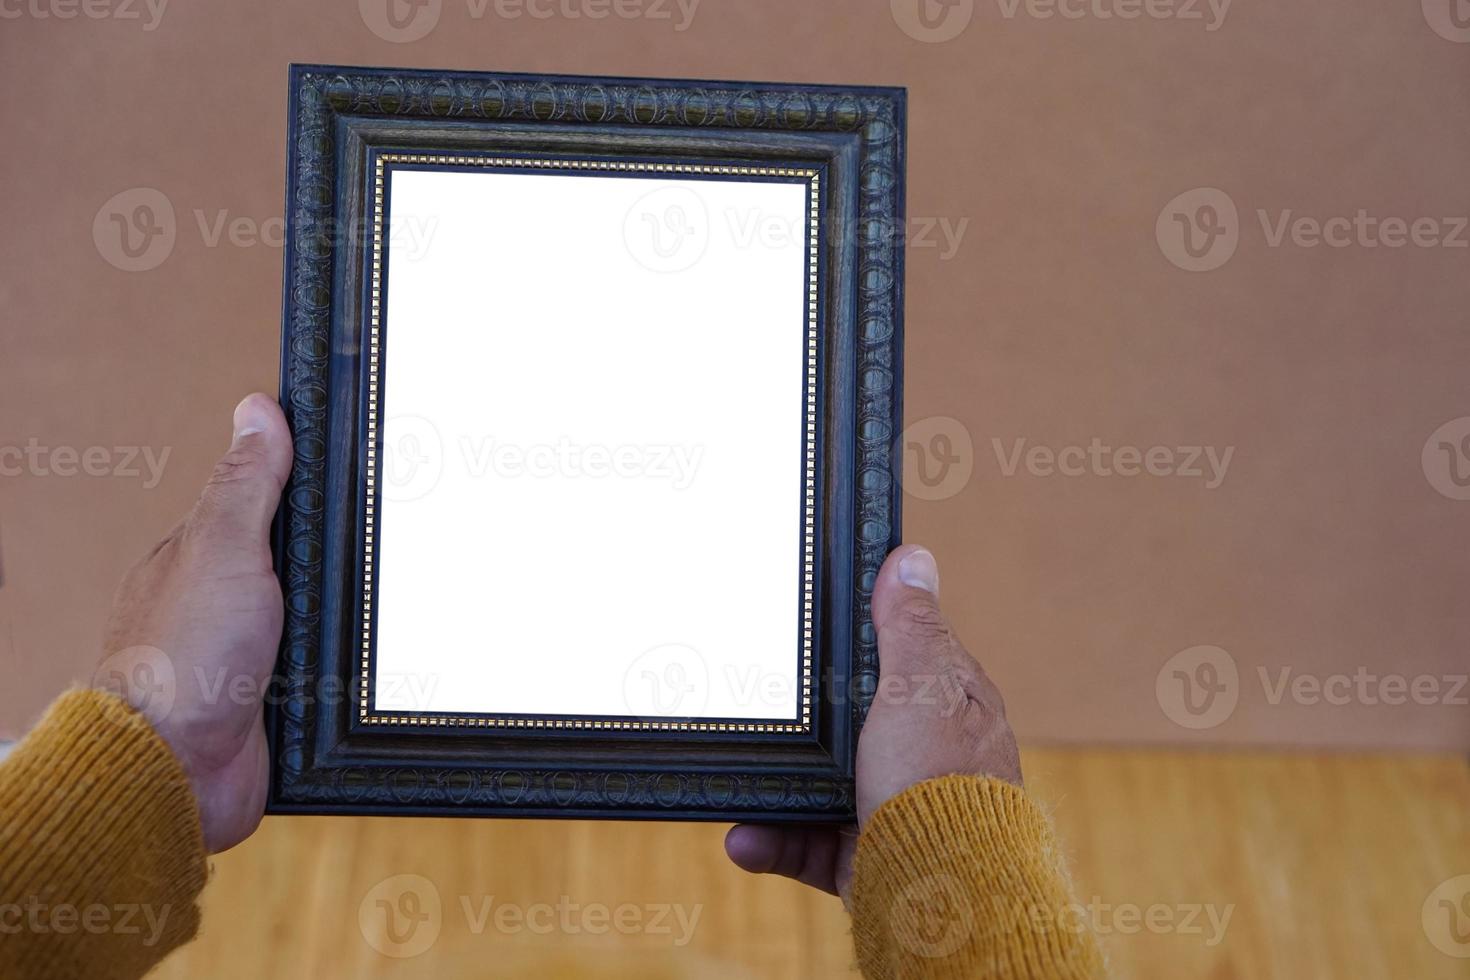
(324,759)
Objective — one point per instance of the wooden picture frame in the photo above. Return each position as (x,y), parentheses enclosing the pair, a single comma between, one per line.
(340,742)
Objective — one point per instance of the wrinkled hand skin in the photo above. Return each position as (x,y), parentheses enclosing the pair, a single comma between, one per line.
(195,625)
(935,713)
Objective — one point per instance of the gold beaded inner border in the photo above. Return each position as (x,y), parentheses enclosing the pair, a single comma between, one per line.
(808,554)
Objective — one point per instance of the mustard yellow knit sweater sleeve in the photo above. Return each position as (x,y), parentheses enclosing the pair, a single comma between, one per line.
(962,877)
(102,861)
(101,852)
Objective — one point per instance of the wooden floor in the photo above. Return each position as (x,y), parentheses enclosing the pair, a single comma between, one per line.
(1322,864)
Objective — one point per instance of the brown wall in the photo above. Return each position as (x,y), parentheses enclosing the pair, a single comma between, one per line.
(1054,144)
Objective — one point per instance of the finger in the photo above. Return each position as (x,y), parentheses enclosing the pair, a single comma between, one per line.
(241,496)
(914,635)
(924,665)
(911,627)
(806,854)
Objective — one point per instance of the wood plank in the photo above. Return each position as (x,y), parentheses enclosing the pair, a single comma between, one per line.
(1322,861)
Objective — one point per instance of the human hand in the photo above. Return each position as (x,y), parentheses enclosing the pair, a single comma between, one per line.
(195,625)
(935,713)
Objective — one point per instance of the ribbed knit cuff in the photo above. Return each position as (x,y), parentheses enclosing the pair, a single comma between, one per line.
(101,852)
(961,877)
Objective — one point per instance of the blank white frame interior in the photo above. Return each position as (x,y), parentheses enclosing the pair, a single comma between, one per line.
(591,490)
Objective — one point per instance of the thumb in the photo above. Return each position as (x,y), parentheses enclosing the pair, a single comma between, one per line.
(245,487)
(911,628)
(935,711)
